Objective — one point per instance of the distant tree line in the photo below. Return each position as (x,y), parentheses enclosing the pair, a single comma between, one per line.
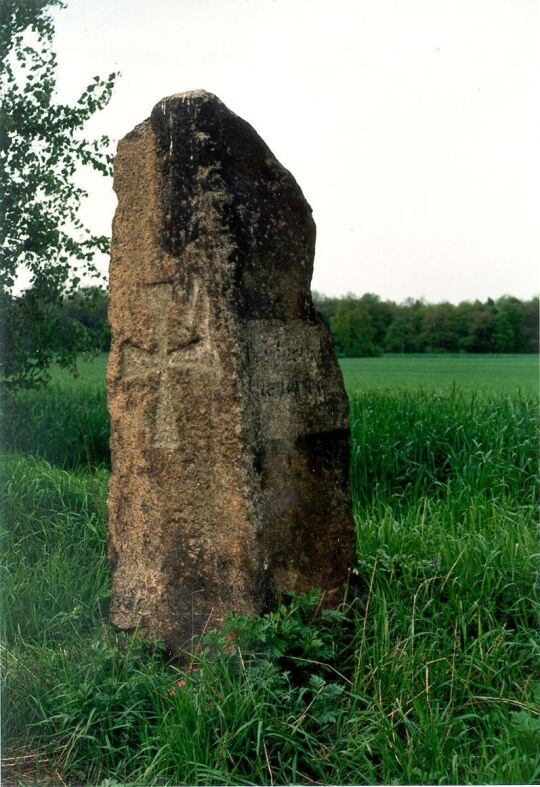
(367,326)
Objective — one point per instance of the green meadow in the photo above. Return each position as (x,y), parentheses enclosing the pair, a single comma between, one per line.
(507,373)
(485,373)
(429,673)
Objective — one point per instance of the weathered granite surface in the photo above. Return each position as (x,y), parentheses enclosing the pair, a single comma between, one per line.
(230,437)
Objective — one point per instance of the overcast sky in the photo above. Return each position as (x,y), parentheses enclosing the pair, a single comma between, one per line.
(412,126)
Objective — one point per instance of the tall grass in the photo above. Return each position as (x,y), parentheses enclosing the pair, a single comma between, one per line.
(429,673)
(416,444)
(66,424)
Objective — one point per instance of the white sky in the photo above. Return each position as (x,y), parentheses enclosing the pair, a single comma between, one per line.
(412,126)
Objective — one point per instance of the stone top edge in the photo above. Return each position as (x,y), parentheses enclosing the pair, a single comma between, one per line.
(188,95)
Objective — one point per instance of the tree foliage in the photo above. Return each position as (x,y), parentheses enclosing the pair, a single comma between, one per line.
(367,326)
(42,240)
(353,329)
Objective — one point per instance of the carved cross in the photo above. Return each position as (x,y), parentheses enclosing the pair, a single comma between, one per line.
(138,362)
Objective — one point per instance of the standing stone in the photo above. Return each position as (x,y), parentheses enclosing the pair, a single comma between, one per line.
(230,438)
